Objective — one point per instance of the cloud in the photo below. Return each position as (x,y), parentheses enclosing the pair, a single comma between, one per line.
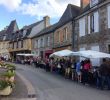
(11,5)
(39,8)
(52,8)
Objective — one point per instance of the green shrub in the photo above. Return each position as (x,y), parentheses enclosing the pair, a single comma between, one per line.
(10,66)
(3,84)
(9,74)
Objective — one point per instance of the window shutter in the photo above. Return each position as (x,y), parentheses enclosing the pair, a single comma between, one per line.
(96,22)
(108,16)
(82,26)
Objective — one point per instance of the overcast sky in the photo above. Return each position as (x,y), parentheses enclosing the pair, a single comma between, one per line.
(30,11)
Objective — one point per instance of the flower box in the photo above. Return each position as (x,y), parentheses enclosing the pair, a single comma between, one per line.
(6,91)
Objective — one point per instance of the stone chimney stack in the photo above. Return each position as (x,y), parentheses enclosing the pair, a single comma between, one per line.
(46,21)
(84,3)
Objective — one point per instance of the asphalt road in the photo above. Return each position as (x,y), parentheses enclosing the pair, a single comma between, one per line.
(50,86)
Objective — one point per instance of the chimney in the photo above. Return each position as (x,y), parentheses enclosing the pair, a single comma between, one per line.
(46,21)
(84,3)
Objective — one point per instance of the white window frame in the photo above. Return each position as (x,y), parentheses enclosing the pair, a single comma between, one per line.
(94,25)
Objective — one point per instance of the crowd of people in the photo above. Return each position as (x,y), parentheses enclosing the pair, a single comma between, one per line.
(76,70)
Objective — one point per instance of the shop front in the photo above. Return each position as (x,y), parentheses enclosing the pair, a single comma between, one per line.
(47,53)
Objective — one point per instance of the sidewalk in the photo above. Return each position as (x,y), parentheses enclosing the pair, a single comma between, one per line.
(23,89)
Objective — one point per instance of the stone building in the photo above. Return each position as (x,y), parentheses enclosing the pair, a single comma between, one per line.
(64,29)
(21,40)
(4,39)
(92,27)
(42,43)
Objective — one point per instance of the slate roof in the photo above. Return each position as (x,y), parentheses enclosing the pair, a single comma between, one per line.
(32,25)
(7,32)
(29,28)
(11,27)
(19,35)
(2,33)
(70,13)
(46,30)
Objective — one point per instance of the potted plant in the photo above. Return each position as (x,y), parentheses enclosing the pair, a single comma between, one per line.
(5,88)
(10,66)
(9,76)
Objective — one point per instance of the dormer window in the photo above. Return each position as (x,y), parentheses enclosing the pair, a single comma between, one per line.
(4,37)
(93,2)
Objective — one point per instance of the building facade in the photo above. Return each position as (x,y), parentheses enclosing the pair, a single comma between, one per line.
(92,27)
(64,30)
(43,42)
(21,40)
(4,39)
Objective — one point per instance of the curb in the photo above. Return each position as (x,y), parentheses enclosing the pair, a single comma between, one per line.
(18,99)
(30,88)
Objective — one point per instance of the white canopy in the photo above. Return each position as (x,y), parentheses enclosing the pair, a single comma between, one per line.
(24,54)
(62,53)
(92,54)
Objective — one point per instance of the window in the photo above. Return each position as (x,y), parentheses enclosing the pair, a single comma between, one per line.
(82,26)
(109,49)
(88,24)
(21,43)
(65,37)
(92,23)
(42,42)
(58,34)
(36,44)
(48,40)
(108,16)
(95,22)
(4,37)
(93,2)
(13,45)
(17,44)
(24,32)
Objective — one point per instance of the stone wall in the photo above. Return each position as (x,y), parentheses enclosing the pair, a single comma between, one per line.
(62,42)
(101,38)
